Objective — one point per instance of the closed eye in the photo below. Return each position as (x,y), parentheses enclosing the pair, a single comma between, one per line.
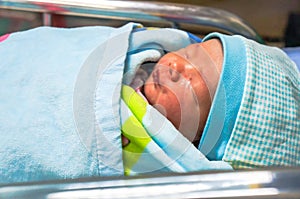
(195,98)
(186,55)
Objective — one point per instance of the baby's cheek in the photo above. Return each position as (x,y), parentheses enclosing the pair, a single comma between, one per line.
(175,117)
(171,108)
(161,109)
(150,92)
(165,102)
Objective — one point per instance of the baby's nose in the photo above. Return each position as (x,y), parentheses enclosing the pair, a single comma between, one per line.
(174,75)
(176,69)
(174,65)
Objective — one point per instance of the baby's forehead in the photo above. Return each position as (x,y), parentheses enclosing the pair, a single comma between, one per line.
(191,50)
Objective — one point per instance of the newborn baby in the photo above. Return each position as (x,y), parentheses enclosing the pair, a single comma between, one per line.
(182,86)
(236,100)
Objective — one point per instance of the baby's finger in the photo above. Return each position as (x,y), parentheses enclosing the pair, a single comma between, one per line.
(125,141)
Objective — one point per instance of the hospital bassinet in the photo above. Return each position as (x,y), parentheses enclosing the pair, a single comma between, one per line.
(269,183)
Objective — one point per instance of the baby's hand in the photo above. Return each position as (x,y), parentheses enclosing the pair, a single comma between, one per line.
(139,79)
(125,141)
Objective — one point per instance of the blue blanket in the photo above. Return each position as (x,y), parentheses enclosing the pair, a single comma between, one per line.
(48,115)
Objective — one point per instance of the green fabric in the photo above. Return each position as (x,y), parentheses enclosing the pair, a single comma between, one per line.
(133,129)
(155,144)
(134,101)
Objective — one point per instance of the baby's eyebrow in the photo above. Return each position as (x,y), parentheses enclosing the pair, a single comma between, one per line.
(186,54)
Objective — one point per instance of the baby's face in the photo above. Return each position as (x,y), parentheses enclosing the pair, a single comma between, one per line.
(183,83)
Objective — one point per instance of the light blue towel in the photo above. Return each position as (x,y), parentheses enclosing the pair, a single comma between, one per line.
(49,129)
(226,104)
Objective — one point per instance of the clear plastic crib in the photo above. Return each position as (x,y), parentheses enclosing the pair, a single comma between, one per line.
(18,15)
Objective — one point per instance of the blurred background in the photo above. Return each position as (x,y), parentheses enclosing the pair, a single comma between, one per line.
(277,21)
